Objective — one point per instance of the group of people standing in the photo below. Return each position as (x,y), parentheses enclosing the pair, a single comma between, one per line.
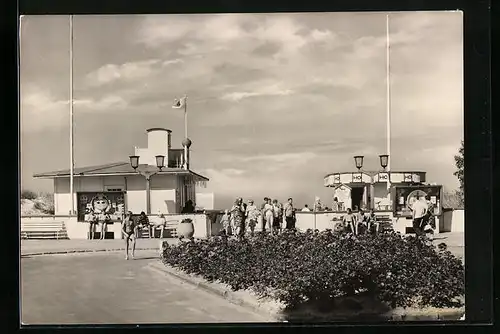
(245,217)
(96,219)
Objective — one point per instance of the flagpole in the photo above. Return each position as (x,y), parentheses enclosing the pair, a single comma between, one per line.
(186,148)
(388,101)
(71,147)
(185,117)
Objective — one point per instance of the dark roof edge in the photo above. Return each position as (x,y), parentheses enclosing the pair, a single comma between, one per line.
(158,129)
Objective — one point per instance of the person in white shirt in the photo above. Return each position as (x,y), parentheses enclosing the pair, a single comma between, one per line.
(306,208)
(419,210)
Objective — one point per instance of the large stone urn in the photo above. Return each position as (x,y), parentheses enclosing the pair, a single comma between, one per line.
(185,229)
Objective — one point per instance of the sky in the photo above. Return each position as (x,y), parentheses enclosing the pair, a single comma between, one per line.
(275,101)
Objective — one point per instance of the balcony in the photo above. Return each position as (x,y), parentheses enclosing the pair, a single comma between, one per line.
(175,158)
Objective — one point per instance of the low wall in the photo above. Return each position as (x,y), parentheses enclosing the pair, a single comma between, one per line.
(79,230)
(327,220)
(453,221)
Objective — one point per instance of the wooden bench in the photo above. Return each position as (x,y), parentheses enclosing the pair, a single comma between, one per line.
(43,230)
(155,230)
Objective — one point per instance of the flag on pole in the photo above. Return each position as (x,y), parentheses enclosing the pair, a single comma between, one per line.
(179,103)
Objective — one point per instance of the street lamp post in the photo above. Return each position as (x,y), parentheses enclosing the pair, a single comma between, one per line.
(384,162)
(160,164)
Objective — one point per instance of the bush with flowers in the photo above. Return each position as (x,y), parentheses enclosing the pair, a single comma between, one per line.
(295,267)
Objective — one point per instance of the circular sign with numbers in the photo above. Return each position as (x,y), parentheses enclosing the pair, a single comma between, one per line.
(412,197)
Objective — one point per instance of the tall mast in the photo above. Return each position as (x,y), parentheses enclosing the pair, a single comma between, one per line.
(71,141)
(388,101)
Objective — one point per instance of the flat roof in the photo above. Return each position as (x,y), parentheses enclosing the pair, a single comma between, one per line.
(376,172)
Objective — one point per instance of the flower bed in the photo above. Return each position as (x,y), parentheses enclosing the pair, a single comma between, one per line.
(297,268)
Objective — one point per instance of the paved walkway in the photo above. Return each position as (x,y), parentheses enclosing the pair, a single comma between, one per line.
(104,288)
(49,246)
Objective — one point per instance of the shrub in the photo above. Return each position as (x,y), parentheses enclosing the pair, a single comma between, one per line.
(28,194)
(295,267)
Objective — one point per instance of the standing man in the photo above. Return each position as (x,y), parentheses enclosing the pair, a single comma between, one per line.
(289,213)
(129,227)
(419,210)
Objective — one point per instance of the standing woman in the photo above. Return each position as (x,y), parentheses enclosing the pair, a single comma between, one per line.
(238,217)
(93,222)
(269,214)
(105,220)
(277,216)
(252,214)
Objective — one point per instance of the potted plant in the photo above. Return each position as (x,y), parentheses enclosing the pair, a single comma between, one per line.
(185,229)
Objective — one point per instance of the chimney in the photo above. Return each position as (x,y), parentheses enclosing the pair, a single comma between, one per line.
(158,144)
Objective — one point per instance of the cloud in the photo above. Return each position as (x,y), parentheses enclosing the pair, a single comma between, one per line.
(273,90)
(281,158)
(40,109)
(110,102)
(172,62)
(199,34)
(127,71)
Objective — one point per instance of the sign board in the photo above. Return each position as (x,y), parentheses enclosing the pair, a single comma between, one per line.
(101,203)
(405,196)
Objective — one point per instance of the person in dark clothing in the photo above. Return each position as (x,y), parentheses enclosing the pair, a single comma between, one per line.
(289,212)
(188,207)
(143,222)
(129,230)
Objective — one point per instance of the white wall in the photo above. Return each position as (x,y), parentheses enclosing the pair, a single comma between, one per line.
(158,144)
(453,221)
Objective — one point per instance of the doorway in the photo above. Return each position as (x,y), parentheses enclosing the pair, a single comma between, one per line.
(357,197)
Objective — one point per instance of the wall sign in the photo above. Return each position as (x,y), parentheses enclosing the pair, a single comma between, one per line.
(100,203)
